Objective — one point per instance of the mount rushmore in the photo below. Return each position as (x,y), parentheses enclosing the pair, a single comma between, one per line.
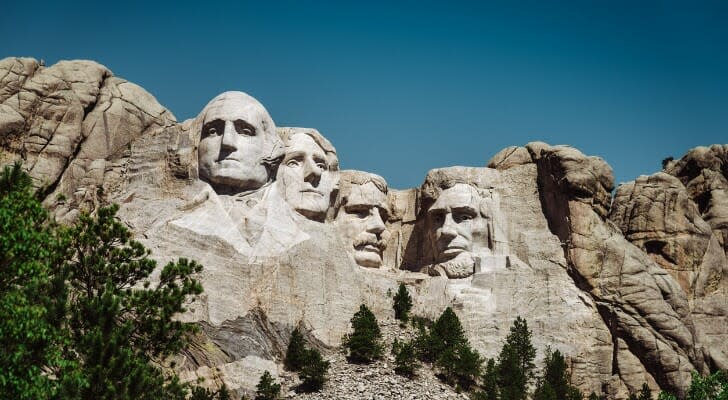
(631,287)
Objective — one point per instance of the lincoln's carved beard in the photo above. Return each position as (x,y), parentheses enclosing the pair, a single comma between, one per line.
(462,266)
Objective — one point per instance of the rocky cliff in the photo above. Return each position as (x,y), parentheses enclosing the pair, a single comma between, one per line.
(631,289)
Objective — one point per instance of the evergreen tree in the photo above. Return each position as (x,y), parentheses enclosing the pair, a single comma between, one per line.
(77,307)
(296,351)
(460,365)
(405,358)
(515,362)
(645,393)
(117,320)
(314,370)
(446,346)
(32,292)
(364,343)
(267,388)
(445,333)
(402,303)
(555,380)
(490,382)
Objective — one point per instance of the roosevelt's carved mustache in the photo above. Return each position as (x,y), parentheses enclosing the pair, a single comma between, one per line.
(363,242)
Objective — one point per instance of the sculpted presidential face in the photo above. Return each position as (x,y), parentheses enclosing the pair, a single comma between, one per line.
(305,176)
(456,227)
(237,142)
(361,212)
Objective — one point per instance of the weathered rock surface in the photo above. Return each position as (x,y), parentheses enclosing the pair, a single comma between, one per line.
(631,290)
(679,217)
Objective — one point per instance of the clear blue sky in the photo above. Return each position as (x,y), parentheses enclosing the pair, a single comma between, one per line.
(403,88)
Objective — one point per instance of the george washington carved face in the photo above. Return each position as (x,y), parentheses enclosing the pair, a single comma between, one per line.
(238,143)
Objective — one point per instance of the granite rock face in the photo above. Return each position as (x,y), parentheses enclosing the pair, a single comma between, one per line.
(678,217)
(630,290)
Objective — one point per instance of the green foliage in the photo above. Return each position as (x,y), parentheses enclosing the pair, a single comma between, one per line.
(116,325)
(594,396)
(711,387)
(405,358)
(555,380)
(460,365)
(666,396)
(77,307)
(515,362)
(309,363)
(645,393)
(296,351)
(267,388)
(446,346)
(489,389)
(314,370)
(200,393)
(32,295)
(364,343)
(402,303)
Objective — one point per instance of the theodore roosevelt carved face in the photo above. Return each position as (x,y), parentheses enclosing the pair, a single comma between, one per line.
(307,172)
(239,145)
(361,210)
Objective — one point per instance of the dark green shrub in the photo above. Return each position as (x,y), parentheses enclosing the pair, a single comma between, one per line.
(313,372)
(405,358)
(267,388)
(402,304)
(296,351)
(364,343)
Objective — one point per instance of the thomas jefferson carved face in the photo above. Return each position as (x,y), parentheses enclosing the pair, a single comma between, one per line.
(455,224)
(237,137)
(306,177)
(362,210)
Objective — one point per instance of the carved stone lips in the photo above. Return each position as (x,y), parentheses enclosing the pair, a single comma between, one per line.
(373,246)
(314,191)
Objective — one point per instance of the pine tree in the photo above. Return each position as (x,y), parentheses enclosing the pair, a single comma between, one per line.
(77,307)
(117,320)
(32,292)
(364,343)
(446,333)
(296,351)
(555,380)
(645,393)
(405,358)
(267,388)
(402,303)
(515,362)
(490,382)
(460,365)
(313,372)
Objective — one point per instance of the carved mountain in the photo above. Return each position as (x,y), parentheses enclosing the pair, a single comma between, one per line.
(631,290)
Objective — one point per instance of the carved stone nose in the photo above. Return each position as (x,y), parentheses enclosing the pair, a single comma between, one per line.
(229,137)
(375,224)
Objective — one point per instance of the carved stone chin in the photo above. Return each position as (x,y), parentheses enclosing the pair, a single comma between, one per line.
(460,266)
